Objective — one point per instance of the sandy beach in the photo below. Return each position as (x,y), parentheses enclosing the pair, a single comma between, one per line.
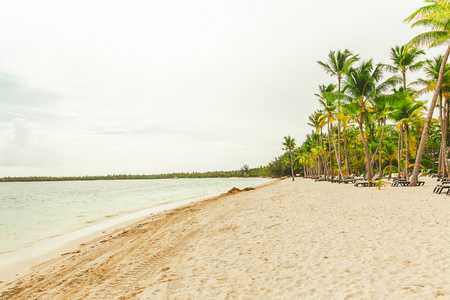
(286,240)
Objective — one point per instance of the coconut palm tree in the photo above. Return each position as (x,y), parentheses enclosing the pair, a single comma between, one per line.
(301,159)
(314,122)
(353,135)
(404,60)
(404,110)
(289,145)
(393,99)
(361,87)
(431,69)
(328,116)
(435,16)
(316,152)
(389,152)
(345,122)
(381,109)
(338,64)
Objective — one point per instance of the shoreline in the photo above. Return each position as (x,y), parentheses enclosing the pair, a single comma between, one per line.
(17,263)
(297,240)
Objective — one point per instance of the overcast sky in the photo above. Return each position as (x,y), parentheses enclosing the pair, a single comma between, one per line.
(103,87)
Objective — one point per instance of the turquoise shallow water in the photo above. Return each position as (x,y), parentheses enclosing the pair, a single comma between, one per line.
(32,211)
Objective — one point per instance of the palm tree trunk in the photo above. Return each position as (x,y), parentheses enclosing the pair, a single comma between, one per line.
(404,78)
(380,144)
(331,156)
(339,150)
(400,151)
(292,164)
(379,163)
(447,115)
(347,167)
(336,153)
(369,170)
(319,167)
(419,132)
(405,173)
(339,133)
(442,161)
(444,139)
(390,168)
(426,127)
(446,158)
(443,149)
(325,169)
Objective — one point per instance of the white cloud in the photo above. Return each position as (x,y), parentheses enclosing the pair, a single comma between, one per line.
(26,149)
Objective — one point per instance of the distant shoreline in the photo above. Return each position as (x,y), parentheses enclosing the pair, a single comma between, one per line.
(215,174)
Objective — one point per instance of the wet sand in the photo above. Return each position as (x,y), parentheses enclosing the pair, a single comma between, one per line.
(292,240)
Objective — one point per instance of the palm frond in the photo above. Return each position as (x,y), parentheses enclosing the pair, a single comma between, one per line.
(430,38)
(390,68)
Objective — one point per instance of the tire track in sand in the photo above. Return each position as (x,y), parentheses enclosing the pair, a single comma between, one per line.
(117,267)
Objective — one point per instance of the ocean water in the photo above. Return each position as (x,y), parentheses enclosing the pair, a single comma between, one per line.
(34,211)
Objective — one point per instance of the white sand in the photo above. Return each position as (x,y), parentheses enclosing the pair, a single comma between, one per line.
(289,240)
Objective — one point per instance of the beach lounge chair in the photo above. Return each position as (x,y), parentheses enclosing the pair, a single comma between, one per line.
(348,179)
(443,179)
(364,183)
(440,187)
(444,182)
(335,179)
(320,178)
(406,183)
(400,182)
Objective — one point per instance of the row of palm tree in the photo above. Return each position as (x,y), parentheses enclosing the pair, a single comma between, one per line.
(435,16)
(383,119)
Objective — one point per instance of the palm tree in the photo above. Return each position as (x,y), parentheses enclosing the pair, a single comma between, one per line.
(362,87)
(381,109)
(404,60)
(432,68)
(389,152)
(316,151)
(289,145)
(314,122)
(405,109)
(345,121)
(338,64)
(436,16)
(301,159)
(328,116)
(393,99)
(352,134)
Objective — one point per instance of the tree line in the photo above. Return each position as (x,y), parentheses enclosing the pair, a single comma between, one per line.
(245,171)
(368,124)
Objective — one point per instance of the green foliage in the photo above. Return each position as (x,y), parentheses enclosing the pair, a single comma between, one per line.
(255,172)
(380,183)
(280,166)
